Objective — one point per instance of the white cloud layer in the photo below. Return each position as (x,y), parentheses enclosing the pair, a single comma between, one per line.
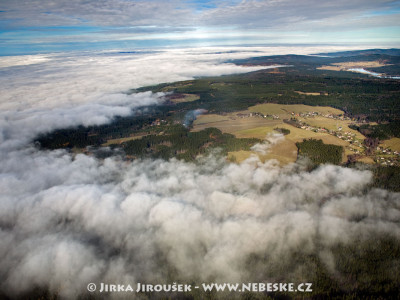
(67,222)
(41,93)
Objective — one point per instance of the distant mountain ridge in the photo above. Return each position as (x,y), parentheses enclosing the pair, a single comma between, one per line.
(389,60)
(391,52)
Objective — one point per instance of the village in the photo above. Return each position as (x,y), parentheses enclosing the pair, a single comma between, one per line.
(380,155)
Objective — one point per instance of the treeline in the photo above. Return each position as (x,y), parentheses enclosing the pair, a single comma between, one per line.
(380,131)
(177,141)
(284,131)
(81,137)
(367,98)
(320,153)
(387,177)
(368,268)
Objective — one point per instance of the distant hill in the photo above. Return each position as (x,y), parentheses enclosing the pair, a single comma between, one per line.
(390,58)
(391,52)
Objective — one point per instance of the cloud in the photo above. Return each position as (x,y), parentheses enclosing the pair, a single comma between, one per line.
(99,12)
(112,16)
(122,13)
(69,221)
(270,140)
(284,14)
(52,26)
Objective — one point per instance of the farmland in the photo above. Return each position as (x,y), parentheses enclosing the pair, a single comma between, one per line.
(259,120)
(393,144)
(349,65)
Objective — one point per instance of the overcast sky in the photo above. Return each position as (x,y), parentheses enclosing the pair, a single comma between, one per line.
(32,26)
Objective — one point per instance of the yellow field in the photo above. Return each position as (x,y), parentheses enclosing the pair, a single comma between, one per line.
(285,152)
(231,123)
(332,124)
(239,156)
(393,144)
(211,118)
(121,140)
(257,132)
(349,65)
(366,160)
(286,110)
(270,109)
(297,134)
(258,127)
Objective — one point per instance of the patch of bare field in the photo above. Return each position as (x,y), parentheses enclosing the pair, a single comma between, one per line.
(285,111)
(344,66)
(257,132)
(122,140)
(366,160)
(231,123)
(284,152)
(209,119)
(331,68)
(393,143)
(239,156)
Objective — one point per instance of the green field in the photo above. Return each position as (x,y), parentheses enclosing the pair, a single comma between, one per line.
(231,123)
(256,132)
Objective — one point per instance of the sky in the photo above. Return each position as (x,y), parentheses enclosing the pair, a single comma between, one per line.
(44,26)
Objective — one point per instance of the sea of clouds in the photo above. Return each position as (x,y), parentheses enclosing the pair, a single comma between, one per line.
(69,220)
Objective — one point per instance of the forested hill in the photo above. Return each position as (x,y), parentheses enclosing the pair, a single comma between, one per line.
(392,52)
(388,60)
(358,95)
